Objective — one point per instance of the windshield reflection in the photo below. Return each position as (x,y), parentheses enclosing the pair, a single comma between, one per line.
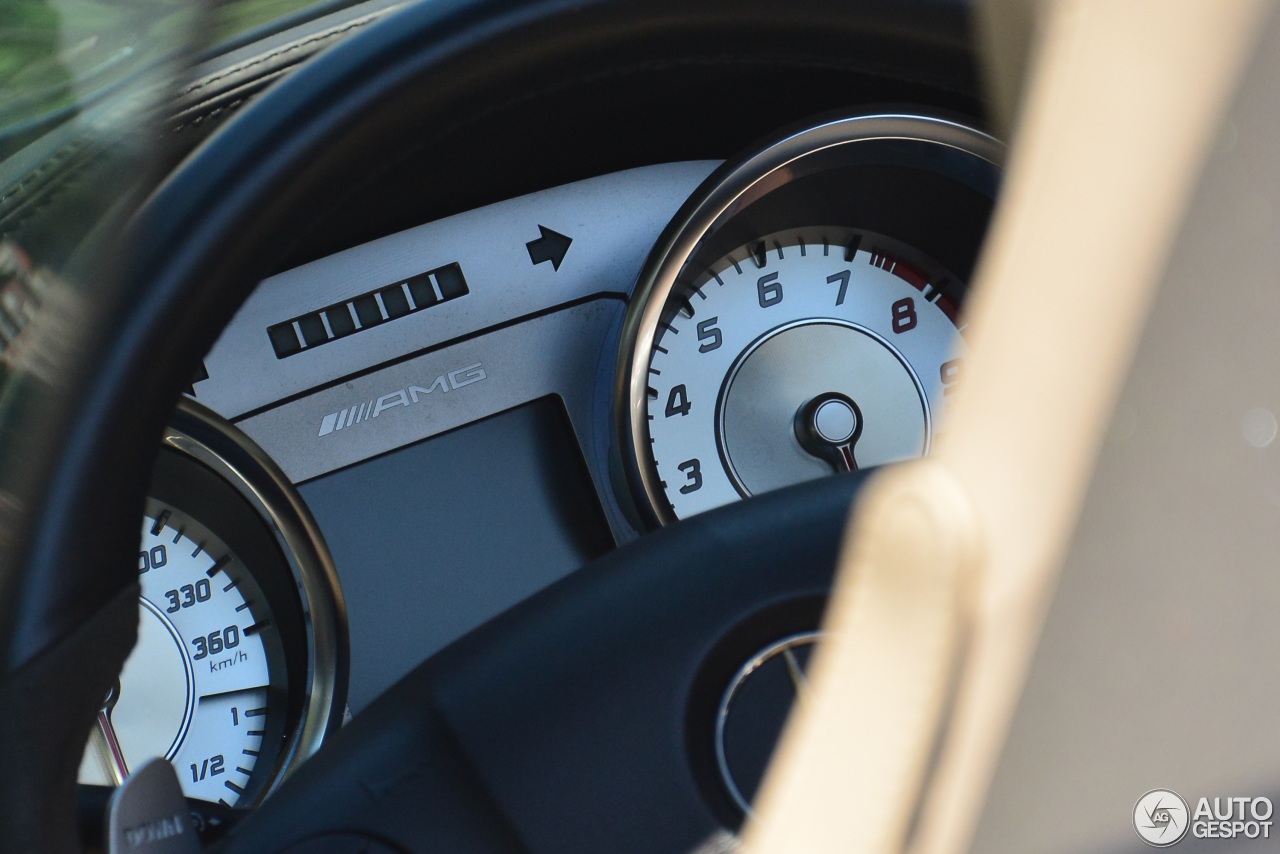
(58,56)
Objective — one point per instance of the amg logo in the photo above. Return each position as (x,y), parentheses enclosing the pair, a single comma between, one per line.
(407,396)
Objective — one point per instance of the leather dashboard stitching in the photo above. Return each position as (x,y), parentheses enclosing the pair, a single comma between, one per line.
(327,35)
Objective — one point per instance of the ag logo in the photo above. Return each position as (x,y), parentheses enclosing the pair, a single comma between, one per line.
(1161,817)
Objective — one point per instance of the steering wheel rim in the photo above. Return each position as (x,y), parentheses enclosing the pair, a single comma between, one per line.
(70,590)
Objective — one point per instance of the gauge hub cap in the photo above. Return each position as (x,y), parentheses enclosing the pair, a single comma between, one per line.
(836,364)
(835,420)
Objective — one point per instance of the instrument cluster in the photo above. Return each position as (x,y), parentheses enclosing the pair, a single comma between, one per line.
(380,433)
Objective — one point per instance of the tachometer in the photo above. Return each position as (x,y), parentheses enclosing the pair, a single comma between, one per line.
(801,315)
(239,667)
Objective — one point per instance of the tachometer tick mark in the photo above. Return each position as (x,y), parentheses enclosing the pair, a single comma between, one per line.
(663,350)
(255,732)
(716,276)
(177,536)
(161,521)
(826,246)
(199,548)
(851,248)
(778,246)
(231,585)
(233,787)
(800,241)
(248,752)
(244,771)
(758,254)
(736,265)
(249,631)
(651,392)
(241,607)
(655,372)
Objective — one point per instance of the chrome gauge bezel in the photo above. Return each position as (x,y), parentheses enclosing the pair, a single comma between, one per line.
(730,190)
(202,436)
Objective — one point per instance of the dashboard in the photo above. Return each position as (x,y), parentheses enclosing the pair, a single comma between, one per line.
(433,426)
(818,279)
(443,399)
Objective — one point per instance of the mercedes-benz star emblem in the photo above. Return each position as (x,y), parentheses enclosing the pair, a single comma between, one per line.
(753,712)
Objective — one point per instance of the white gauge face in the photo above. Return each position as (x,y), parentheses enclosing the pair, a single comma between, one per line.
(196,688)
(801,353)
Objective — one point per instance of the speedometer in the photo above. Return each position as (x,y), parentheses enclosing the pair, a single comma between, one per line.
(198,689)
(239,668)
(801,315)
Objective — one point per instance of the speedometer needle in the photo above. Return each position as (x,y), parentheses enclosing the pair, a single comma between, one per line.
(112,753)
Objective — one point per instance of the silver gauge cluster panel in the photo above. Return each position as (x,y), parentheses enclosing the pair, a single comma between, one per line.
(420,332)
(439,283)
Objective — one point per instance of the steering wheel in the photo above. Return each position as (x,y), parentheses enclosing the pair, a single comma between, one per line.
(517,738)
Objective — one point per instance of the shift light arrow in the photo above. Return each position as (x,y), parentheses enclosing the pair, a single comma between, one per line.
(551,246)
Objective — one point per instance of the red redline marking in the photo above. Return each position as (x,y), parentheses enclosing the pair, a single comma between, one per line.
(909,274)
(913,276)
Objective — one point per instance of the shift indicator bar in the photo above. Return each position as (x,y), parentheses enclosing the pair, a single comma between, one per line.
(366,310)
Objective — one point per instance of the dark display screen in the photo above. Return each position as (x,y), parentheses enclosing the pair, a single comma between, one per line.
(434,539)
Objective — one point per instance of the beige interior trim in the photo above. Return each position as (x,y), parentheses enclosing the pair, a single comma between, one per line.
(949,570)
